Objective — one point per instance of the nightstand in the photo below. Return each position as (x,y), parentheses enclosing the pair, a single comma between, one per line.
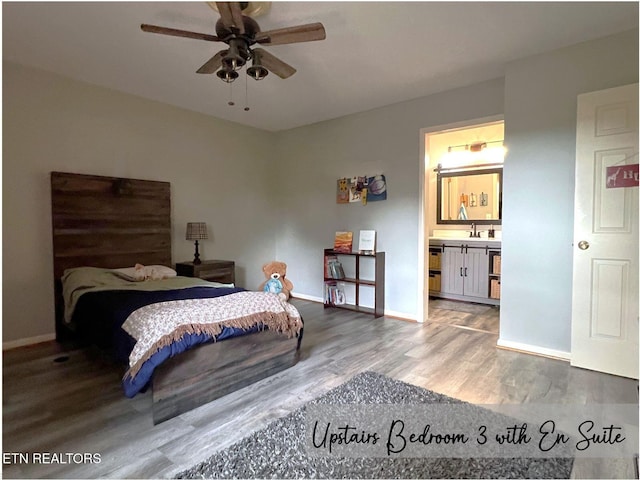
(223,271)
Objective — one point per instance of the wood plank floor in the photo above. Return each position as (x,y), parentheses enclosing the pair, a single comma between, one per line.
(77,406)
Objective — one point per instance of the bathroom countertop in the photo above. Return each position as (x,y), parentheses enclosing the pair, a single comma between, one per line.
(464,239)
(461,236)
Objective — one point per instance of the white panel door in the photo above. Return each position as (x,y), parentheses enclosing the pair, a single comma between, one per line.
(604,328)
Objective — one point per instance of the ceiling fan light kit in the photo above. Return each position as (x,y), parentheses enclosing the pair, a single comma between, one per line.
(240,32)
(227,76)
(250,9)
(257,71)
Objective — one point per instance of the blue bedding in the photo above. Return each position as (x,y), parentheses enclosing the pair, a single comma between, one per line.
(98,317)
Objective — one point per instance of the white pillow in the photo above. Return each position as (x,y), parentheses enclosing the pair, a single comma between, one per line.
(149,272)
(130,273)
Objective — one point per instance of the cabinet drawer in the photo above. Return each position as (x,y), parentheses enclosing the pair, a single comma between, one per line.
(495,289)
(222,275)
(435,258)
(222,271)
(497,261)
(434,282)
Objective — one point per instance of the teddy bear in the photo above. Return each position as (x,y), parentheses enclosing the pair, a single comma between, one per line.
(276,281)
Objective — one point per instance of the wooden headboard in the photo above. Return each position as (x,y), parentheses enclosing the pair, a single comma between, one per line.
(107,222)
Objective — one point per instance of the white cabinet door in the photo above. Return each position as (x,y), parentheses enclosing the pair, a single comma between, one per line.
(452,271)
(465,271)
(476,273)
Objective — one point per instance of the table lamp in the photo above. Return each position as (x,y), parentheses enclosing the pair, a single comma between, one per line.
(197,231)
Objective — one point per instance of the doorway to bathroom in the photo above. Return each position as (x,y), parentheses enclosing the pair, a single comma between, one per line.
(461,217)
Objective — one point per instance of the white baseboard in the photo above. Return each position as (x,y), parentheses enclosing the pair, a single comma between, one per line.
(400,315)
(304,296)
(524,347)
(23,342)
(390,313)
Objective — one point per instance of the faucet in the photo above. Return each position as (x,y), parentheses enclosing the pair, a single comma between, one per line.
(474,233)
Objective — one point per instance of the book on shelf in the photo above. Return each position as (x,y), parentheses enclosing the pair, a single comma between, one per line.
(343,242)
(328,259)
(336,270)
(367,241)
(334,294)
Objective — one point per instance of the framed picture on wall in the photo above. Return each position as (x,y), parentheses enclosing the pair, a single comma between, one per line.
(377,188)
(342,193)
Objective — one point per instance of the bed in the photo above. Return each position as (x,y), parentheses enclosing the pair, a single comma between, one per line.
(101,224)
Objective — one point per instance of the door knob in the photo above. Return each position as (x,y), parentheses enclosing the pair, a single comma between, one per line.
(583,244)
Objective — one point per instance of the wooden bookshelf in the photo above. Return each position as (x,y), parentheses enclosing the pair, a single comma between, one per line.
(377,282)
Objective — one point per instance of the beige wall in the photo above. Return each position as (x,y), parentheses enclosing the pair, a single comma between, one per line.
(385,140)
(540,132)
(538,100)
(220,173)
(282,186)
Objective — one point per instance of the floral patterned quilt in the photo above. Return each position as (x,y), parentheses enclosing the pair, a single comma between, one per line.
(160,324)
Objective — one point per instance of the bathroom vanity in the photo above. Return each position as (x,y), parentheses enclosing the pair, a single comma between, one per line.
(465,268)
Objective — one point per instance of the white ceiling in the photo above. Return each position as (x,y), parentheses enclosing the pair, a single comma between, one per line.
(375,54)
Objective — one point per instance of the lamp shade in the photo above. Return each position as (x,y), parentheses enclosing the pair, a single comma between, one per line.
(197,231)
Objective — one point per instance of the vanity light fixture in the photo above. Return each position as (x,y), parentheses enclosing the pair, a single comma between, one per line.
(481,151)
(477,146)
(474,146)
(462,168)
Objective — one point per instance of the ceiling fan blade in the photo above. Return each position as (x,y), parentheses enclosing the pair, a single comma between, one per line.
(213,64)
(178,33)
(274,64)
(300,33)
(231,15)
(225,14)
(236,13)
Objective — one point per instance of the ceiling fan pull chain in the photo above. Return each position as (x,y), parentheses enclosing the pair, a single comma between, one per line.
(231,102)
(246,93)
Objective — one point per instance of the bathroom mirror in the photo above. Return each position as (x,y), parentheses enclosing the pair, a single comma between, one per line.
(470,196)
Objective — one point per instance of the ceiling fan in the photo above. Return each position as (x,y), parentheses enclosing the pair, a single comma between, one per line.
(241,32)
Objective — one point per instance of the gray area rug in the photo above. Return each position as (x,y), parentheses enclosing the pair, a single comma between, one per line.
(279,451)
